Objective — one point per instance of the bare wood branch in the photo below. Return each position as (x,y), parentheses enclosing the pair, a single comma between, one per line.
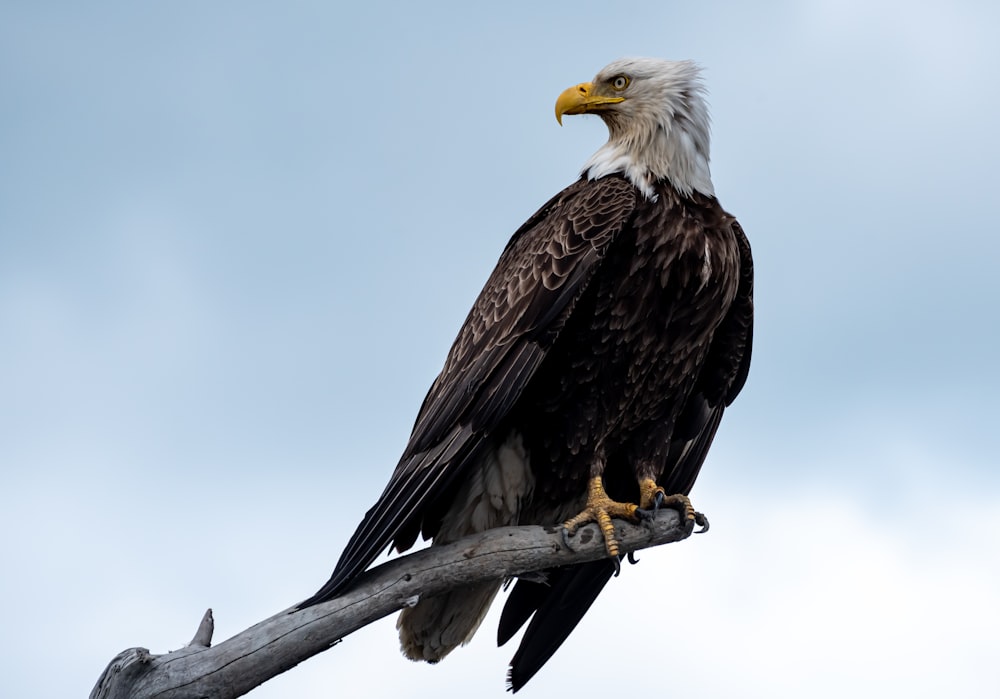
(203,636)
(235,666)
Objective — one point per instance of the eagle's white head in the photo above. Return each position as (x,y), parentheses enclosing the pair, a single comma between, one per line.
(658,123)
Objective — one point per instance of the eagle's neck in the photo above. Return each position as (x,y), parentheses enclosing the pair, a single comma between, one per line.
(672,145)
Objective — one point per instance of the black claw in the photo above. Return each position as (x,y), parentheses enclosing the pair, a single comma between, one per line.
(658,500)
(702,521)
(618,565)
(631,558)
(650,514)
(565,538)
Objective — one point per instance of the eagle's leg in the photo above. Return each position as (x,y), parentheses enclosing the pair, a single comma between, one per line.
(600,508)
(653,497)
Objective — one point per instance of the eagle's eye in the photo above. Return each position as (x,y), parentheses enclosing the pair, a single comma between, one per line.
(620,82)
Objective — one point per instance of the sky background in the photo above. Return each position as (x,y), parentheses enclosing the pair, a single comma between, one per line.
(237,240)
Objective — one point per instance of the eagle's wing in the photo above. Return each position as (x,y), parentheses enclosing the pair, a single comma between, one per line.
(559,603)
(519,313)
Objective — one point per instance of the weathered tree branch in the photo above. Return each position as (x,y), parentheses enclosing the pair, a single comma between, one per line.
(235,666)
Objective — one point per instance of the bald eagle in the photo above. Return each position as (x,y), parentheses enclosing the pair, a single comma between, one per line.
(590,376)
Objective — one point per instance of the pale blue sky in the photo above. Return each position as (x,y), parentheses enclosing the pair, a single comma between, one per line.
(237,239)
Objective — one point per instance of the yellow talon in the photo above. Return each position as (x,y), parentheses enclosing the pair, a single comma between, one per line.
(648,490)
(601,508)
(654,497)
(681,503)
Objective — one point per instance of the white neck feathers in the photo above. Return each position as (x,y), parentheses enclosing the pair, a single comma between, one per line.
(660,131)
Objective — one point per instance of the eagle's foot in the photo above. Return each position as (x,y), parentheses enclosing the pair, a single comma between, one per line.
(680,503)
(601,508)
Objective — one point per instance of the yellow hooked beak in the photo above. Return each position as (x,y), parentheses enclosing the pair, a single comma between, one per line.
(581,99)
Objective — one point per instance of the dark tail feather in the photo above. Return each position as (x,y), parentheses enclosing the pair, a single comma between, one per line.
(558,607)
(526,597)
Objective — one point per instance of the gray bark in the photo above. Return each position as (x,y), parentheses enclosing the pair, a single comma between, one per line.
(235,666)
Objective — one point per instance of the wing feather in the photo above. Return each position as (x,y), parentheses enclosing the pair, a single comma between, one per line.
(518,315)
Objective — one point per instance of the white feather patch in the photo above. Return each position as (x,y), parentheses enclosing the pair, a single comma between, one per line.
(491,496)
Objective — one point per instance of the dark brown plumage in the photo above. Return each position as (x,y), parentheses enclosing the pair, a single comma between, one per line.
(608,341)
(662,338)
